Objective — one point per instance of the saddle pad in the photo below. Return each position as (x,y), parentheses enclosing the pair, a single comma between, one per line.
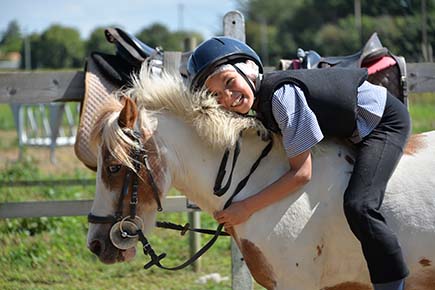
(97,90)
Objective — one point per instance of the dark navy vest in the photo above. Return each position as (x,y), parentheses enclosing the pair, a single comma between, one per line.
(331,93)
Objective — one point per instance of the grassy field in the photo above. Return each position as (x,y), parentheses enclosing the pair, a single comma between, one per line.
(51,253)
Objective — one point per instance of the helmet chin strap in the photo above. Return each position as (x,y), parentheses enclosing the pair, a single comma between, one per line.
(250,82)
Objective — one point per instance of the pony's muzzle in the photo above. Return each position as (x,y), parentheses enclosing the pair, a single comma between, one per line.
(96,247)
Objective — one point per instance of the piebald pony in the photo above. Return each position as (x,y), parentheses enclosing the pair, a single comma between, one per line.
(302,242)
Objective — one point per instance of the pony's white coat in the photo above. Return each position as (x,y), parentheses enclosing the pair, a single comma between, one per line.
(304,239)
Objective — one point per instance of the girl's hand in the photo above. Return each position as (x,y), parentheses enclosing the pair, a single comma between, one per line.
(235,214)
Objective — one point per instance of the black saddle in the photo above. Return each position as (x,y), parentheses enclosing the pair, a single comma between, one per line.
(129,47)
(393,78)
(130,54)
(372,50)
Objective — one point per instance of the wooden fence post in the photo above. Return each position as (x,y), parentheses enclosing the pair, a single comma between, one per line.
(195,216)
(234,25)
(241,279)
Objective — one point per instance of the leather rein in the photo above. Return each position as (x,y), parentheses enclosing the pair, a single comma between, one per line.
(129,228)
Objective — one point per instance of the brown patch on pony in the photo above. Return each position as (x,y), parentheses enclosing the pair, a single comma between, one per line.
(112,182)
(415,143)
(258,265)
(115,182)
(349,286)
(425,262)
(421,280)
(319,250)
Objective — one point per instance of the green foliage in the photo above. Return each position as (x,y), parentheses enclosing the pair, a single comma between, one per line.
(62,47)
(6,117)
(158,35)
(422,110)
(26,169)
(329,27)
(51,253)
(11,39)
(97,42)
(58,47)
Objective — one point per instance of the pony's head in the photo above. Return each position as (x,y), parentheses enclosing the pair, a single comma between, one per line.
(131,178)
(130,156)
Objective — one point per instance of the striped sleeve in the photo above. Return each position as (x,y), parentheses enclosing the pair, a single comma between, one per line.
(370,108)
(299,127)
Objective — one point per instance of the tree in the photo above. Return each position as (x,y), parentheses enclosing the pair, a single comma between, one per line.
(328,26)
(58,47)
(158,35)
(97,42)
(11,40)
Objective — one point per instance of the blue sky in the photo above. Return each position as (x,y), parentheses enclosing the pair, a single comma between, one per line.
(35,16)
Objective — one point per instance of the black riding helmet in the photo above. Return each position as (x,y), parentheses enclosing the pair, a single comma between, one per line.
(214,52)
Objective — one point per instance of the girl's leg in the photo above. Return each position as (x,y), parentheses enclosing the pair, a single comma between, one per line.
(377,157)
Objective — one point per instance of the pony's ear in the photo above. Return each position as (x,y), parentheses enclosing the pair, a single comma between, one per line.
(128,114)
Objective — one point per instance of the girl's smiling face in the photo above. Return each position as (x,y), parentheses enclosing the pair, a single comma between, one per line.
(232,91)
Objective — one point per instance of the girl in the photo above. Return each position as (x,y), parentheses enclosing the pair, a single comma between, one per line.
(303,106)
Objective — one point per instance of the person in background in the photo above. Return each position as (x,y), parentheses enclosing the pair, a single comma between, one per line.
(303,106)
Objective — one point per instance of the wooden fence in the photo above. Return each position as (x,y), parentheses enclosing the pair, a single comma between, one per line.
(47,86)
(61,86)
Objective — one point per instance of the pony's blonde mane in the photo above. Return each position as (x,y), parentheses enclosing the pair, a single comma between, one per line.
(218,127)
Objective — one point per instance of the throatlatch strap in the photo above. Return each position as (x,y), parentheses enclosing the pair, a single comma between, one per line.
(254,166)
(155,259)
(218,189)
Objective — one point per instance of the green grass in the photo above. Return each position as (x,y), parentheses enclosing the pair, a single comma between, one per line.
(51,253)
(422,110)
(6,118)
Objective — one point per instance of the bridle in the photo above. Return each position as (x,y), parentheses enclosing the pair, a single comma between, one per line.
(127,230)
(136,155)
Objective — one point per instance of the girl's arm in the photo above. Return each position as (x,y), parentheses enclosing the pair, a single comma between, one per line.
(298,175)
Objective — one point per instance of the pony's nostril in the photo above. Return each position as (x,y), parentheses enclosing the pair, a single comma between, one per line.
(96,247)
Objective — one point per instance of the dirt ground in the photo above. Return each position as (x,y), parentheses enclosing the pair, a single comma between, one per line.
(66,160)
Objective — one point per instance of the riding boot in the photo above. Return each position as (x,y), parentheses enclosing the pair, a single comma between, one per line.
(395,285)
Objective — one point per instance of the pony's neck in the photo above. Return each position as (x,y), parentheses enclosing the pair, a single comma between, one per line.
(194,164)
(191,163)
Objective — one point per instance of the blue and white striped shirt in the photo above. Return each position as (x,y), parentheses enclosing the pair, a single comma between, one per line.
(299,127)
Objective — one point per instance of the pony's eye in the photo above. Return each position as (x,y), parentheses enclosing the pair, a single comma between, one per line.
(114,168)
